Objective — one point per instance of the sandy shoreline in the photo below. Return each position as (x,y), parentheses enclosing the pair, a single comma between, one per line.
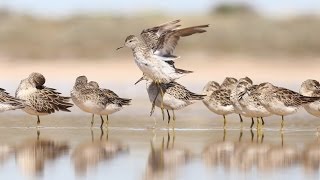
(205,68)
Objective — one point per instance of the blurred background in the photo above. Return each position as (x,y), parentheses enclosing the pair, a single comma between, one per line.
(266,40)
(81,29)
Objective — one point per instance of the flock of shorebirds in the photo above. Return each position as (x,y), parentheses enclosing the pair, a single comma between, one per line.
(153,54)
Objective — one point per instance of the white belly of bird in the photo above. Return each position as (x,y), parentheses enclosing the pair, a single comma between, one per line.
(256,111)
(171,103)
(219,109)
(313,108)
(278,108)
(157,70)
(87,106)
(253,108)
(111,108)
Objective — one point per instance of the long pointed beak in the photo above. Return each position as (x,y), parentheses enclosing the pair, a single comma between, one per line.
(138,81)
(120,48)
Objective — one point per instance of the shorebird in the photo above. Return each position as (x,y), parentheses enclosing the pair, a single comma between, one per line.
(250,103)
(175,96)
(39,99)
(92,99)
(8,102)
(234,97)
(229,83)
(153,51)
(311,88)
(217,100)
(281,101)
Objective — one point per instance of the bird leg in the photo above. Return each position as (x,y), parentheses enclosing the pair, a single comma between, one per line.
(102,122)
(38,121)
(162,94)
(174,119)
(252,123)
(241,120)
(258,123)
(224,122)
(174,116)
(107,121)
(282,122)
(168,116)
(262,121)
(162,112)
(92,120)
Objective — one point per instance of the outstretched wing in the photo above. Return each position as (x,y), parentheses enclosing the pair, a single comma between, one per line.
(152,35)
(169,39)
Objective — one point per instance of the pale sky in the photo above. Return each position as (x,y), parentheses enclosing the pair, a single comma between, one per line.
(66,7)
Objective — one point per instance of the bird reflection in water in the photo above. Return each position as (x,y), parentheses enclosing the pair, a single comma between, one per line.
(249,155)
(89,154)
(163,162)
(32,155)
(5,153)
(311,158)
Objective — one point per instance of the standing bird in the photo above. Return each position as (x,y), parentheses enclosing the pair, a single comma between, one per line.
(175,96)
(281,101)
(114,104)
(229,83)
(153,51)
(234,97)
(311,88)
(217,100)
(8,102)
(39,99)
(92,99)
(250,103)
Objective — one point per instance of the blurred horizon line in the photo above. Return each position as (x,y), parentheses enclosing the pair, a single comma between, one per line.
(58,9)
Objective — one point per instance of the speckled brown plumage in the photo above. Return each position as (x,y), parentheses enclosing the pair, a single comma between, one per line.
(8,102)
(221,96)
(39,98)
(180,92)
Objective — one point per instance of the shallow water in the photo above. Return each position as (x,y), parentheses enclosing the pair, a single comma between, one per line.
(67,148)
